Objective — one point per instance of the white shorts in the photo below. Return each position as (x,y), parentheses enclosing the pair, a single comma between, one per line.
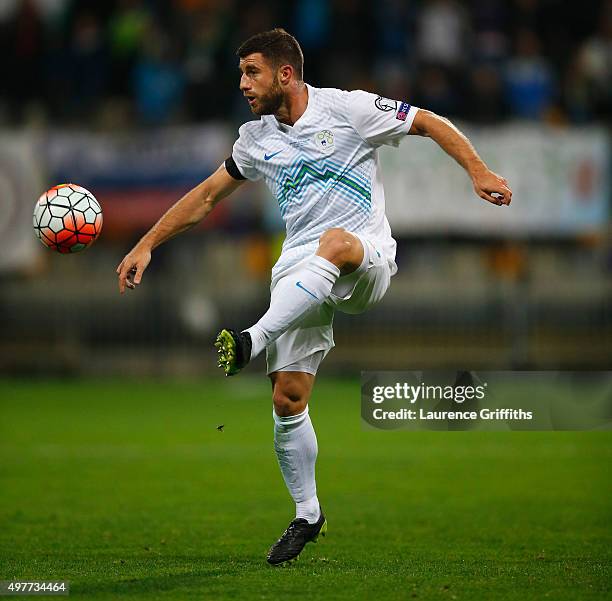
(305,345)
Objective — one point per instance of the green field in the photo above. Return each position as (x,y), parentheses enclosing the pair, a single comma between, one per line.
(127,489)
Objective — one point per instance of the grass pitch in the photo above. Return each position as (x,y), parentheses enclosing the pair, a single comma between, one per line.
(128,490)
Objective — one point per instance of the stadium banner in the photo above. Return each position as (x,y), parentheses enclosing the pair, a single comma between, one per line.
(137,174)
(20,187)
(559,178)
(486,400)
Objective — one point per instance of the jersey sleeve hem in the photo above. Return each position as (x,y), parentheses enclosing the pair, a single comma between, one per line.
(242,151)
(410,117)
(232,168)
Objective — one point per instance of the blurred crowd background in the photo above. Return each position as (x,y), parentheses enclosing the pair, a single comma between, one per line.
(163,61)
(138,100)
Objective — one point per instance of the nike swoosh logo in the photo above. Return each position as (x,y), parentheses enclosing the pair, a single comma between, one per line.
(300,285)
(267,157)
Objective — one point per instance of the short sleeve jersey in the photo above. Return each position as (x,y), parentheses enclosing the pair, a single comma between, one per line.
(324,170)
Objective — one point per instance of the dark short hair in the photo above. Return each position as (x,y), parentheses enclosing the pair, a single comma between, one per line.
(278,47)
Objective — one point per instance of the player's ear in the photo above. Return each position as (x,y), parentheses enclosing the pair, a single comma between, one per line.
(284,74)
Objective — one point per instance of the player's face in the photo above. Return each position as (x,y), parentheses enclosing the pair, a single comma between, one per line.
(259,84)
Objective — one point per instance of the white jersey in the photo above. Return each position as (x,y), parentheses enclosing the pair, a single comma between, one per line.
(324,170)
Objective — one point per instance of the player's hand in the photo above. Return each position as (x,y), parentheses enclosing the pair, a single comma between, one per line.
(487,183)
(130,270)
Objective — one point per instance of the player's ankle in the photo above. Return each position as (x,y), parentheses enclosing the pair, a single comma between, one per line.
(309,510)
(258,340)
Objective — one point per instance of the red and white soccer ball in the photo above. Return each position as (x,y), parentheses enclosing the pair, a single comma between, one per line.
(67,218)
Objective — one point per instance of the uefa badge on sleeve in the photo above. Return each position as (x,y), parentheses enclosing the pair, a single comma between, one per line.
(324,140)
(402,112)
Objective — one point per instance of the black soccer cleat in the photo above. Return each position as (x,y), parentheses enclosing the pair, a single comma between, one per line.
(234,350)
(289,546)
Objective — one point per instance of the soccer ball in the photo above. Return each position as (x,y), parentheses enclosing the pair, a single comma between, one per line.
(67,218)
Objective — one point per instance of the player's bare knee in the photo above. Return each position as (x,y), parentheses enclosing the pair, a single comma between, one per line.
(288,404)
(341,248)
(289,395)
(290,392)
(336,245)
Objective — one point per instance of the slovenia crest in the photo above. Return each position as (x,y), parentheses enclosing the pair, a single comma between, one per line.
(324,140)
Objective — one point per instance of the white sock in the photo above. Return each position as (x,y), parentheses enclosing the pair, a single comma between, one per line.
(294,296)
(295,444)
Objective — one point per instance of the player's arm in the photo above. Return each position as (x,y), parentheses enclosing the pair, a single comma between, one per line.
(188,211)
(450,139)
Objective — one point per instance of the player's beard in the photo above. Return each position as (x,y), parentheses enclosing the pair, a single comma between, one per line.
(269,103)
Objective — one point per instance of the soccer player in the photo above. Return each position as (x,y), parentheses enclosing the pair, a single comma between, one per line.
(316,149)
